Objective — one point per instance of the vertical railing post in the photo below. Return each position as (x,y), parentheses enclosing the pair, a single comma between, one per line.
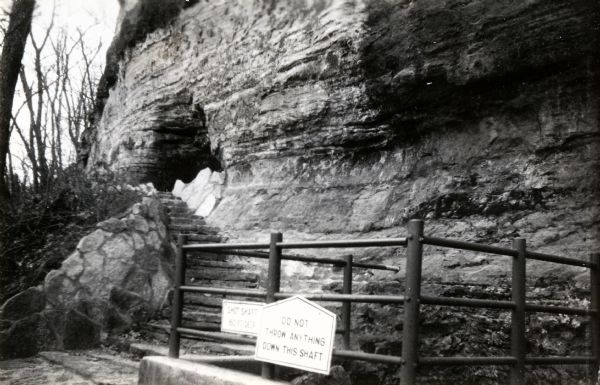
(517,329)
(410,333)
(346,306)
(273,286)
(595,318)
(177,305)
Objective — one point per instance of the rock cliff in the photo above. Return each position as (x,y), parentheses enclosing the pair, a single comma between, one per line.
(338,118)
(344,119)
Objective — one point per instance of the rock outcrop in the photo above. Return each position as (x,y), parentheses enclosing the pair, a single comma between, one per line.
(345,119)
(480,116)
(203,193)
(119,276)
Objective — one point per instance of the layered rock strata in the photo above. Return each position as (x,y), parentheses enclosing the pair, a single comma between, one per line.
(341,118)
(345,119)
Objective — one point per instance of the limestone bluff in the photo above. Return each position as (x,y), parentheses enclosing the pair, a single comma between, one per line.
(338,118)
(345,119)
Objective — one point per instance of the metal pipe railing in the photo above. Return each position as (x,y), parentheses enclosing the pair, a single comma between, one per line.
(365,298)
(467,302)
(370,357)
(389,242)
(273,286)
(412,299)
(347,305)
(302,258)
(595,318)
(177,311)
(518,322)
(457,361)
(470,246)
(557,259)
(410,328)
(559,310)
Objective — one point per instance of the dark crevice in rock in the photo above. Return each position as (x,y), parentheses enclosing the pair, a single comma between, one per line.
(182,147)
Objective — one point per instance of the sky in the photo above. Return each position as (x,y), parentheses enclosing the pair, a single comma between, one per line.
(76,13)
(96,17)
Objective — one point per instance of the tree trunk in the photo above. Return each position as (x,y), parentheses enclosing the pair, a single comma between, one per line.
(10,63)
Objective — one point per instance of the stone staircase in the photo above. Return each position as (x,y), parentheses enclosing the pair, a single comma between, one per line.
(217,270)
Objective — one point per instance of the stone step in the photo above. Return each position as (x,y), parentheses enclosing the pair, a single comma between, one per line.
(185,219)
(178,210)
(201,308)
(189,222)
(195,314)
(218,273)
(208,343)
(154,329)
(194,256)
(201,238)
(187,227)
(145,349)
(201,317)
(199,230)
(197,262)
(203,300)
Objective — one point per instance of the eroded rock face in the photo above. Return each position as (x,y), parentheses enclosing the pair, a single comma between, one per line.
(119,276)
(344,119)
(338,118)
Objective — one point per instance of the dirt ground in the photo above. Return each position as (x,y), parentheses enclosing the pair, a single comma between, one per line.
(84,367)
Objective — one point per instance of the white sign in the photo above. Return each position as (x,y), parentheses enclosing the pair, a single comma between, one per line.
(240,317)
(298,333)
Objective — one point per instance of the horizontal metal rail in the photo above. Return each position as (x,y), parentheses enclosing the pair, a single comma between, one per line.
(345,297)
(457,361)
(560,310)
(467,302)
(462,245)
(225,246)
(412,299)
(373,266)
(311,296)
(389,242)
(217,336)
(556,259)
(358,355)
(225,291)
(386,242)
(486,303)
(568,360)
(302,258)
(443,242)
(213,329)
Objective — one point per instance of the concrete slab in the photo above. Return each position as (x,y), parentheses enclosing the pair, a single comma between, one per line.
(157,370)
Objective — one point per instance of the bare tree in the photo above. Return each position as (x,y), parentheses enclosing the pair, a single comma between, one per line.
(13,47)
(59,95)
